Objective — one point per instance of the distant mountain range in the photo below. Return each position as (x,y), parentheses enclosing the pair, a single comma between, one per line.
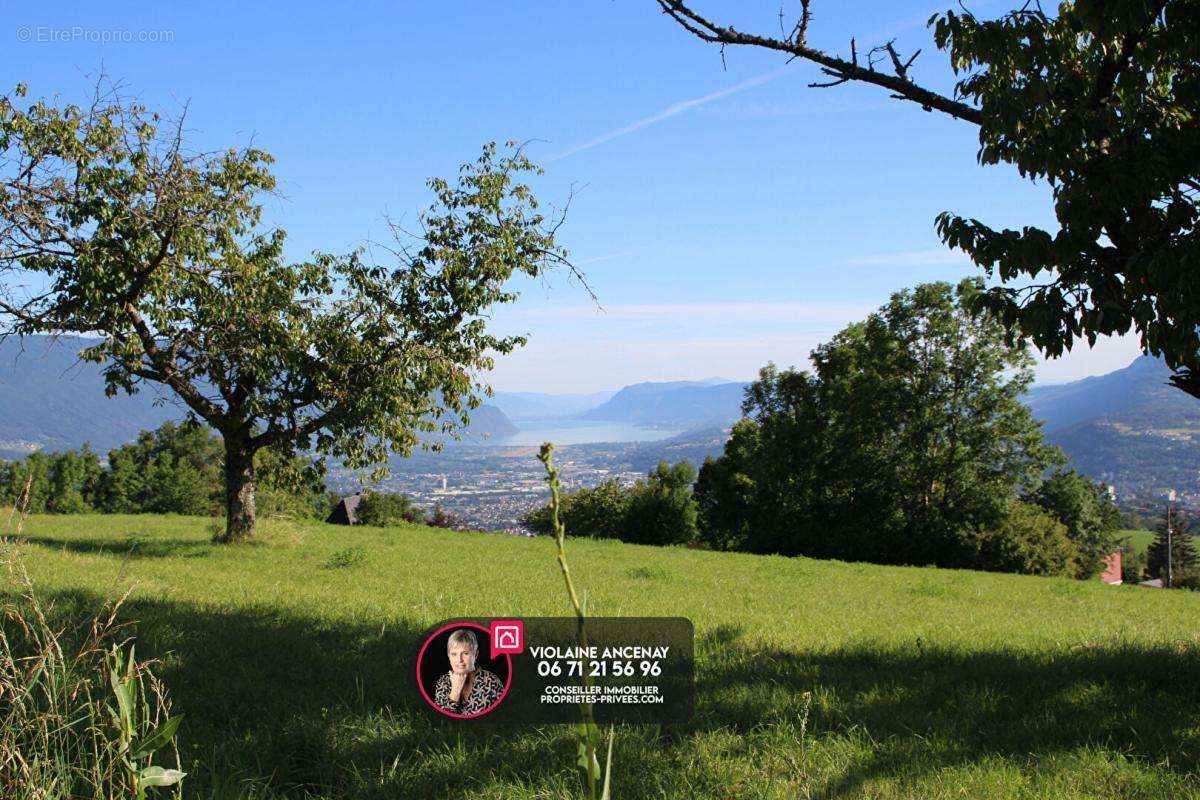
(1129,428)
(677,405)
(523,406)
(51,400)
(1138,395)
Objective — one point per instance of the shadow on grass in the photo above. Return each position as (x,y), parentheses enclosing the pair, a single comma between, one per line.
(313,707)
(330,710)
(925,707)
(129,547)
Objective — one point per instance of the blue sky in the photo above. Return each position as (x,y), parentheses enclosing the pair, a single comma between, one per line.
(724,215)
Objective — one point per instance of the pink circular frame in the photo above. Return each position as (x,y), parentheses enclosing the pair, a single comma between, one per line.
(421,659)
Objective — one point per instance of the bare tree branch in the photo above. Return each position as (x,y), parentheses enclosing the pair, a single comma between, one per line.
(840,69)
(167,371)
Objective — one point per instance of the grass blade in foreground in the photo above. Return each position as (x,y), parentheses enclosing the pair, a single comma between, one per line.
(589,733)
(61,735)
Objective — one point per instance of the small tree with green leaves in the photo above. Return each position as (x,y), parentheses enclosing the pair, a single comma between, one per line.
(658,510)
(1029,540)
(662,510)
(1133,563)
(174,469)
(598,511)
(109,226)
(56,483)
(1183,557)
(1088,512)
(439,517)
(74,476)
(387,508)
(725,490)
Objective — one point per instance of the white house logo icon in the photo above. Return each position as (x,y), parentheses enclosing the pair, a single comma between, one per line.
(508,636)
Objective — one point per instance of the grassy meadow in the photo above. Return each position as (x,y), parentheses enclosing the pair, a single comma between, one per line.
(290,661)
(1139,540)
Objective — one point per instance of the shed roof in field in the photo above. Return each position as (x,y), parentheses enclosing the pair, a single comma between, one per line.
(344,512)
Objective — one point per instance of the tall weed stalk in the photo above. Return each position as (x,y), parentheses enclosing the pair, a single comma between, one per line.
(80,722)
(588,732)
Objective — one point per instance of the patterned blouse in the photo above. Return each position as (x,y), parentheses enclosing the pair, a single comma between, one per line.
(485,691)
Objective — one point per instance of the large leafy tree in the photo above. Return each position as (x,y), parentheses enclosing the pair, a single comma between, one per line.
(907,443)
(1098,101)
(110,226)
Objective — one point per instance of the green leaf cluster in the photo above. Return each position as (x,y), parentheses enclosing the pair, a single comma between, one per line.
(386,508)
(1099,102)
(659,510)
(174,469)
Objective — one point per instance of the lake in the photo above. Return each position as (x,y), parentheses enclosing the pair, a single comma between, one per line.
(576,431)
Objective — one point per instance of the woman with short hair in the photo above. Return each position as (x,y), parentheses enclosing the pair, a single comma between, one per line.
(465,689)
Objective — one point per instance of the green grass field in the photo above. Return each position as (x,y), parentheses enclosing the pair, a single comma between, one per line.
(1140,541)
(293,675)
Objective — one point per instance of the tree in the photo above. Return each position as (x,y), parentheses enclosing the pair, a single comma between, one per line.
(73,478)
(908,443)
(1183,555)
(1133,563)
(1091,517)
(385,508)
(724,491)
(659,510)
(662,510)
(1029,540)
(440,518)
(56,483)
(175,469)
(598,512)
(109,227)
(1098,101)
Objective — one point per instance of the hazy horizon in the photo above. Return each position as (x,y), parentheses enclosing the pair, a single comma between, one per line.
(1108,356)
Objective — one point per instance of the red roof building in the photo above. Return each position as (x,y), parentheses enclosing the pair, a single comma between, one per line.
(1112,568)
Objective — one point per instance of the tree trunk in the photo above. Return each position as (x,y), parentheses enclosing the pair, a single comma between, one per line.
(239,491)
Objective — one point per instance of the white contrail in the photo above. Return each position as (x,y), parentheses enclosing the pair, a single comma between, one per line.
(671,111)
(679,108)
